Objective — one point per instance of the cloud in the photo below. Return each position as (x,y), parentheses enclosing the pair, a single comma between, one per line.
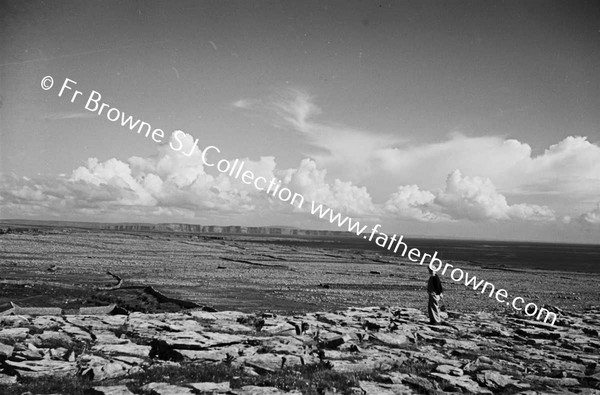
(476,199)
(165,184)
(592,217)
(410,202)
(464,198)
(343,196)
(345,151)
(565,176)
(170,183)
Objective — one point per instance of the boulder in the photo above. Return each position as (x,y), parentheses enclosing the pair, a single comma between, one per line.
(6,350)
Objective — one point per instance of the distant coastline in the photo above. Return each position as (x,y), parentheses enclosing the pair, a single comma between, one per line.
(178,227)
(496,254)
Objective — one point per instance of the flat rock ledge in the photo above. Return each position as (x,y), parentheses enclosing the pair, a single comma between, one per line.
(389,350)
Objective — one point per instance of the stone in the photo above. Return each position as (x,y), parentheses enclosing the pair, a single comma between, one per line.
(494,380)
(396,339)
(211,387)
(97,368)
(538,333)
(6,350)
(129,348)
(248,371)
(263,363)
(53,339)
(29,355)
(463,382)
(6,379)
(111,390)
(106,337)
(449,369)
(395,377)
(256,390)
(45,367)
(166,389)
(77,333)
(14,334)
(420,383)
(373,388)
(555,382)
(332,341)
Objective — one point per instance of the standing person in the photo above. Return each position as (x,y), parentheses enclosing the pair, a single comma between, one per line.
(434,289)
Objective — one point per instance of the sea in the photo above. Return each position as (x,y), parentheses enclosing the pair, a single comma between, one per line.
(493,254)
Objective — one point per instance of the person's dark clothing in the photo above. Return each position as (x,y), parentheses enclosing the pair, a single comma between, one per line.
(434,285)
(434,289)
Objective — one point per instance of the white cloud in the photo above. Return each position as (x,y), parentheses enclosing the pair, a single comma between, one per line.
(464,198)
(476,198)
(413,203)
(592,217)
(566,176)
(346,151)
(311,182)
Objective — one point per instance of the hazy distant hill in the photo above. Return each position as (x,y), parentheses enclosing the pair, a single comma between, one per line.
(176,227)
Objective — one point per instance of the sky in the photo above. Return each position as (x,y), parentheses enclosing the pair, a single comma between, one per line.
(475,119)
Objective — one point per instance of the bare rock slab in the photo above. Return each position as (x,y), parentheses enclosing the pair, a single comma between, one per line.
(464,383)
(166,389)
(46,367)
(373,388)
(111,390)
(211,387)
(255,390)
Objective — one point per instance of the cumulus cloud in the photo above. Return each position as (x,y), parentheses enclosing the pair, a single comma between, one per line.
(344,196)
(413,203)
(477,199)
(592,217)
(565,176)
(170,183)
(471,198)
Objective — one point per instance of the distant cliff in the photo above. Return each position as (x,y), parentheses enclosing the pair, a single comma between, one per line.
(18,225)
(249,230)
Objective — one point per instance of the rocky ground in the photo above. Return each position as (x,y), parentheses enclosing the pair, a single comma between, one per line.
(63,267)
(284,334)
(365,350)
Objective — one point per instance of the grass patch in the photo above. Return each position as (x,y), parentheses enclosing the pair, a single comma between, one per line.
(309,379)
(47,385)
